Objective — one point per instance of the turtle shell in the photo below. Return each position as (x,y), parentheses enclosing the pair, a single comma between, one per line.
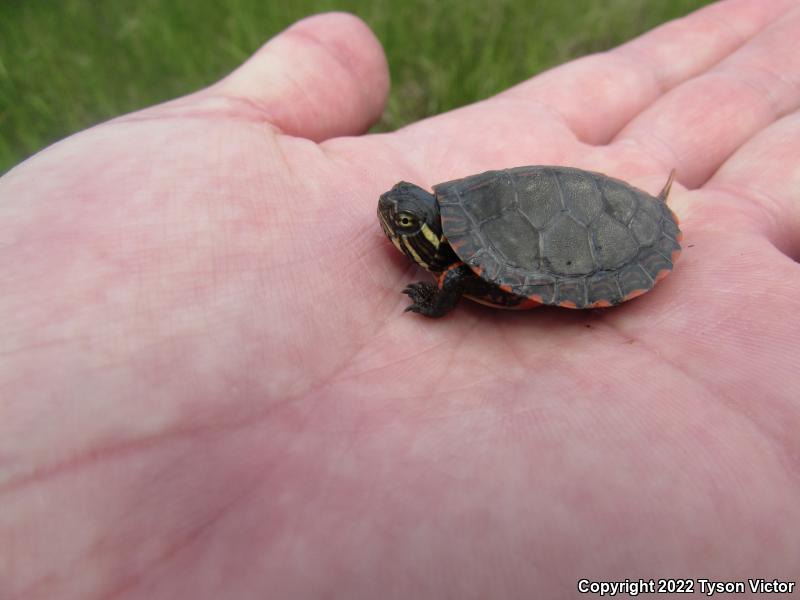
(558,235)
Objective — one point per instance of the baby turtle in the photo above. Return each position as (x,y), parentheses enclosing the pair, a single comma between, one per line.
(526,236)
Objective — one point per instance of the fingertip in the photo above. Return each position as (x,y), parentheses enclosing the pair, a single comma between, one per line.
(353,44)
(324,76)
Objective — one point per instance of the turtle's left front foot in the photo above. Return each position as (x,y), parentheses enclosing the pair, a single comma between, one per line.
(436,301)
(422,296)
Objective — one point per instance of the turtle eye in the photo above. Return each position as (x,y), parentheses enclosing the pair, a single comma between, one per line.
(405,220)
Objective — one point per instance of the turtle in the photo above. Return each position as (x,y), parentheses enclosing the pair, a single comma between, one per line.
(528,236)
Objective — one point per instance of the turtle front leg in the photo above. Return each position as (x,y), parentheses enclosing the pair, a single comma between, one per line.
(437,300)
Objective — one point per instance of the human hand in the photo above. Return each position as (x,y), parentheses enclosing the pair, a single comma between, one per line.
(209,387)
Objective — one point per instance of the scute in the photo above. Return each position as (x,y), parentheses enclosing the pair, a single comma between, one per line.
(565,247)
(614,244)
(653,262)
(559,235)
(571,292)
(515,239)
(489,197)
(632,278)
(543,286)
(618,198)
(602,288)
(669,227)
(538,198)
(581,197)
(645,227)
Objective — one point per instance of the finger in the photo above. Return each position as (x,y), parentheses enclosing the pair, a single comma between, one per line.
(699,123)
(597,95)
(762,182)
(324,76)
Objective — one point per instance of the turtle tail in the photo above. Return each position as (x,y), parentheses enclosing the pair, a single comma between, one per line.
(662,195)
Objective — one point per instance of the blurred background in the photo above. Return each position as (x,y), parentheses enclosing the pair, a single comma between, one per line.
(68,64)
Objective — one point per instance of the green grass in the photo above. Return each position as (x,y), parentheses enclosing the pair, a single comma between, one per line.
(67,64)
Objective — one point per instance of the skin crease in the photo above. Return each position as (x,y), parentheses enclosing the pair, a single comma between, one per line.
(208,387)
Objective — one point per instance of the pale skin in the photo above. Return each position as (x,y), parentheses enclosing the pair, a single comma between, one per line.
(208,386)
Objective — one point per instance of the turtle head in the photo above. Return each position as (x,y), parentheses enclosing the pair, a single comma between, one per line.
(410,218)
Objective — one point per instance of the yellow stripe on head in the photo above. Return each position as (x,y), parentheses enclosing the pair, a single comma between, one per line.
(396,243)
(417,258)
(430,236)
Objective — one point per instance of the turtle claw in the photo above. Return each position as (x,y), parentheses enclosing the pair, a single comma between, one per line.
(422,295)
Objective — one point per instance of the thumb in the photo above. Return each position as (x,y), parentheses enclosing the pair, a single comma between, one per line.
(324,76)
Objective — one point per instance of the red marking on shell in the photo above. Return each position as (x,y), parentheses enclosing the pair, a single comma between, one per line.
(505,287)
(675,255)
(679,237)
(525,304)
(662,273)
(567,304)
(600,304)
(528,303)
(633,294)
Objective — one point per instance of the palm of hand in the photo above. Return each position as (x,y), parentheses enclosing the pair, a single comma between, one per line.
(234,313)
